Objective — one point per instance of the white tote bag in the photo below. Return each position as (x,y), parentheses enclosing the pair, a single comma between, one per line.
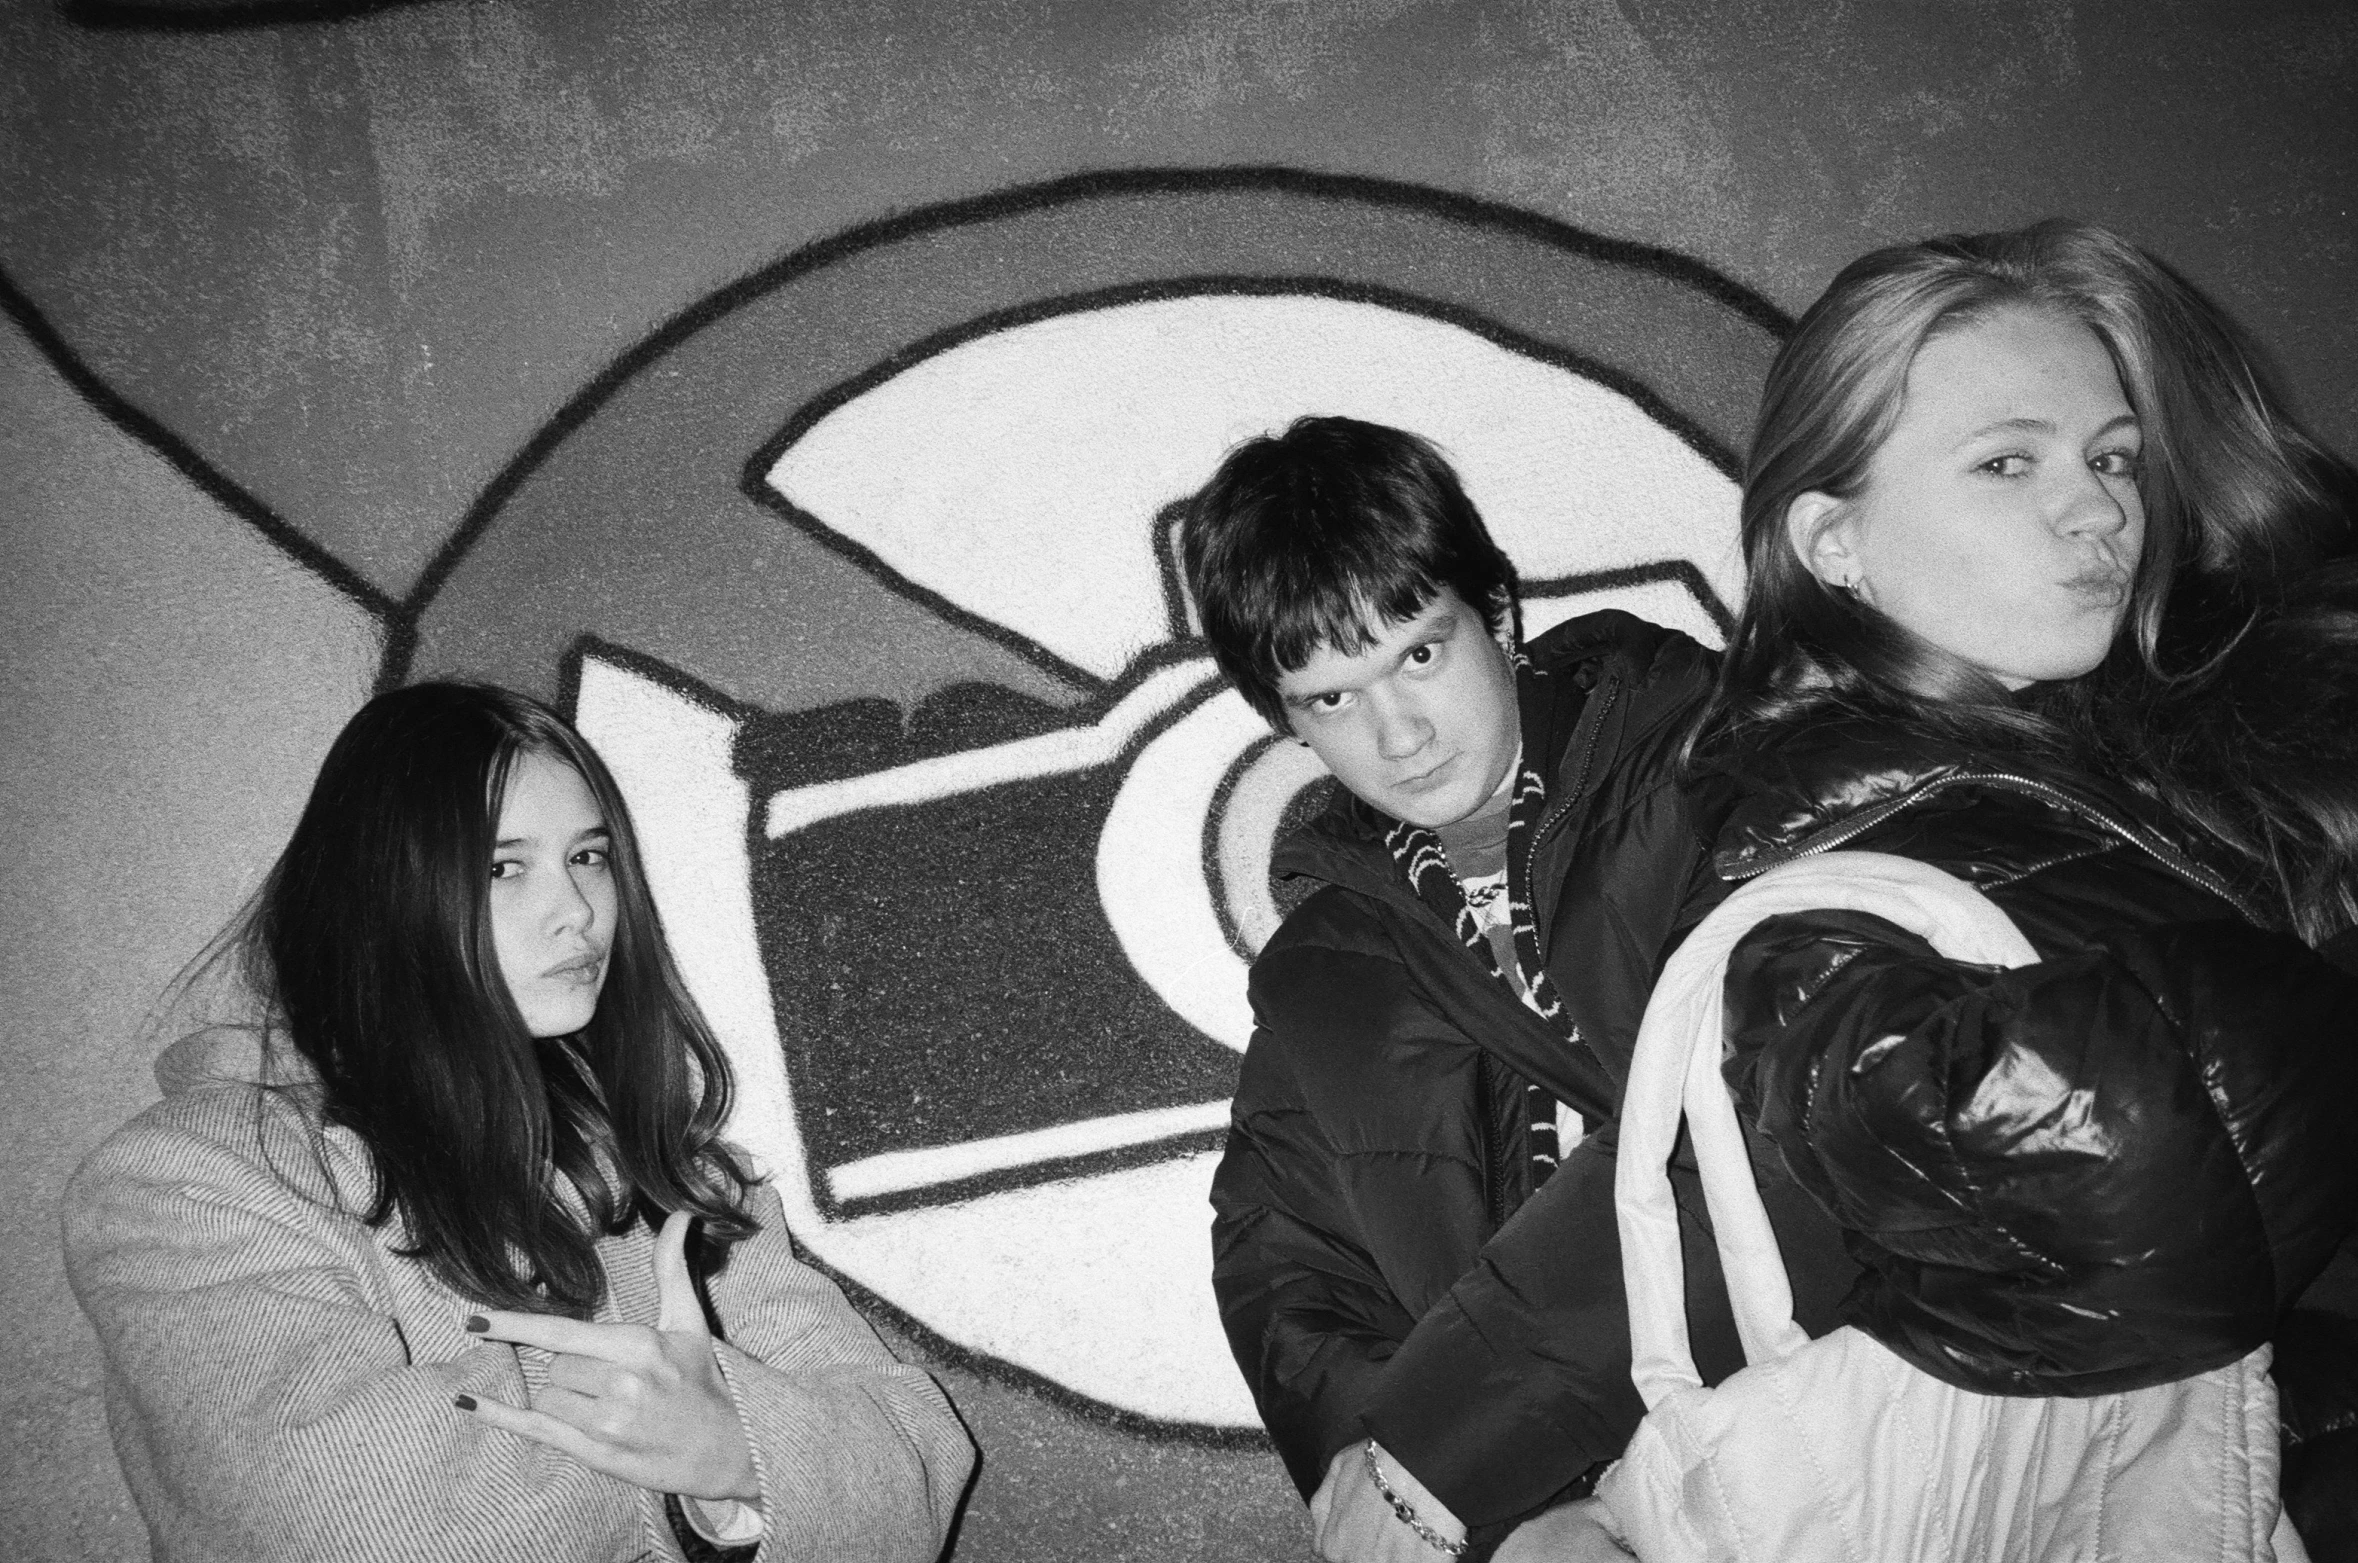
(1836,1450)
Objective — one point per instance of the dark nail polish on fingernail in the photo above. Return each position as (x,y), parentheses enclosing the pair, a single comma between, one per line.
(477,1324)
(463,1402)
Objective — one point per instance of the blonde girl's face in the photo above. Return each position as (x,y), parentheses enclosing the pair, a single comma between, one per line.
(2001,518)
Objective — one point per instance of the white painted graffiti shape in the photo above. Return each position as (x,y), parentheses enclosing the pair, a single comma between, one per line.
(1018,477)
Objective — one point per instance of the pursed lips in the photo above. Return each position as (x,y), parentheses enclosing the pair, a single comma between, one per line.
(577,969)
(2103,581)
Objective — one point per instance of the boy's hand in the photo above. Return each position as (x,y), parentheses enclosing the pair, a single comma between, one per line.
(1572,1533)
(1351,1522)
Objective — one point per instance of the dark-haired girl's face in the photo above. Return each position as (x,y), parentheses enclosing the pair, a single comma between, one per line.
(552,895)
(2000,519)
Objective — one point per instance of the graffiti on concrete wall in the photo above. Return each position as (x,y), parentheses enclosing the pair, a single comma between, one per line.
(860,573)
(980,956)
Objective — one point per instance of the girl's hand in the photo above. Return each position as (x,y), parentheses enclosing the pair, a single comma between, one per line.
(646,1405)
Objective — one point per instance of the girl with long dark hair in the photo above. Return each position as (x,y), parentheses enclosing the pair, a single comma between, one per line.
(400,1267)
(2043,593)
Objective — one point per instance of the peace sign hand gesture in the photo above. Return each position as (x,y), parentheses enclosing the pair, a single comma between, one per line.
(646,1405)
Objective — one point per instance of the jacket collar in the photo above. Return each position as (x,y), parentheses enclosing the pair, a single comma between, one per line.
(213,1057)
(1819,785)
(1794,790)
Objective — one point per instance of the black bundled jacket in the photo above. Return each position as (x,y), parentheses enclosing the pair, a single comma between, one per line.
(1348,1202)
(2113,1168)
(1381,1264)
(2127,1163)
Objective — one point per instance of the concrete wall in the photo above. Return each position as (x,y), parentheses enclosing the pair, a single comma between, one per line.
(357,341)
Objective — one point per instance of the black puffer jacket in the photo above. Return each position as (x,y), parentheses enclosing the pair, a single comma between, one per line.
(2127,1163)
(1373,1240)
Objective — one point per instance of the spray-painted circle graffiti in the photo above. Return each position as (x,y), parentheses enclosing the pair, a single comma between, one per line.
(860,575)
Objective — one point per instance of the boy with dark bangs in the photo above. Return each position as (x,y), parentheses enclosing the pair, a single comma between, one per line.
(1414,1244)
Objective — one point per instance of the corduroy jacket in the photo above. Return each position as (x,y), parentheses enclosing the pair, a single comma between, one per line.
(279,1379)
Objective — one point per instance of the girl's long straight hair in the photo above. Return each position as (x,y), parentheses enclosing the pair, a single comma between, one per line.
(2241,508)
(371,946)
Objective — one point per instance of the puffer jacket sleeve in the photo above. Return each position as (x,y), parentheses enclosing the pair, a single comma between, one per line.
(2110,1168)
(1333,1228)
(859,1455)
(2317,1396)
(1308,1316)
(1537,1336)
(2317,1380)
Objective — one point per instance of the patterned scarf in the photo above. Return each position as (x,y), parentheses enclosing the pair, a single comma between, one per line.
(1419,853)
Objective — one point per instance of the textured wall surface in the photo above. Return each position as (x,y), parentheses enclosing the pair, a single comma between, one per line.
(794,391)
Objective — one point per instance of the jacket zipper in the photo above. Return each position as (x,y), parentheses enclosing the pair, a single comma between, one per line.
(1610,692)
(1836,836)
(1495,1164)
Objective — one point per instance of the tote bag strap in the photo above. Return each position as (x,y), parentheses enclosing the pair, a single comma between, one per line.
(1677,1069)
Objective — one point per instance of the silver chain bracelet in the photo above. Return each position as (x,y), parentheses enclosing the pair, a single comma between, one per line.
(1406,1511)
